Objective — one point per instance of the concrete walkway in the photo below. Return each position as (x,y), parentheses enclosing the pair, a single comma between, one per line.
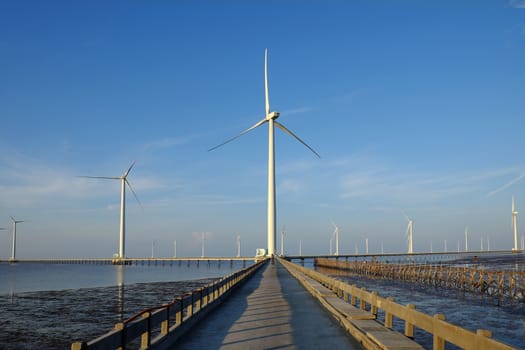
(270,311)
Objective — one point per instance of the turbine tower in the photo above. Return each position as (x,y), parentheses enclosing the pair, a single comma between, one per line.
(270,118)
(336,235)
(13,247)
(466,239)
(124,181)
(515,226)
(238,246)
(409,232)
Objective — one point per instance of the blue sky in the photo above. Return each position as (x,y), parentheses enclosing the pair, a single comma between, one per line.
(414,106)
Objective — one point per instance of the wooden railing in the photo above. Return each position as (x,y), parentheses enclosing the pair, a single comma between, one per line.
(501,284)
(441,330)
(159,327)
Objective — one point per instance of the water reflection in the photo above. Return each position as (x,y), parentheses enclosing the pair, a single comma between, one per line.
(120,292)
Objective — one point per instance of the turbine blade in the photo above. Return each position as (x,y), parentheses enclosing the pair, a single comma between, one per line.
(405,215)
(129,169)
(266,82)
(101,177)
(134,194)
(282,127)
(242,133)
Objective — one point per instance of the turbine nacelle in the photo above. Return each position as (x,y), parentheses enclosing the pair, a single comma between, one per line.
(272,115)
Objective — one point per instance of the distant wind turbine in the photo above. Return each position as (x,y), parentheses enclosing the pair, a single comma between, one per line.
(466,239)
(124,181)
(409,232)
(13,247)
(270,118)
(238,246)
(515,226)
(336,235)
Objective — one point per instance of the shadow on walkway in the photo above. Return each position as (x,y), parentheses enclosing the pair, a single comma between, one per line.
(270,311)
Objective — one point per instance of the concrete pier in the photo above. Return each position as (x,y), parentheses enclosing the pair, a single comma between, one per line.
(272,310)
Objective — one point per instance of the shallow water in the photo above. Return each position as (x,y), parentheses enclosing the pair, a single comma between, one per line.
(55,319)
(49,306)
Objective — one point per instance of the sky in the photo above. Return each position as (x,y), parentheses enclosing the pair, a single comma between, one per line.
(414,106)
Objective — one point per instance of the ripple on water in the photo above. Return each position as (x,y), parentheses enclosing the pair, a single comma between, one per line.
(55,319)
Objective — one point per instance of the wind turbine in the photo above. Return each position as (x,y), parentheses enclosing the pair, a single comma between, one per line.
(336,235)
(466,239)
(515,226)
(409,232)
(13,247)
(270,118)
(124,181)
(238,246)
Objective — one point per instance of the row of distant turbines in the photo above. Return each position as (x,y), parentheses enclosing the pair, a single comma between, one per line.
(409,233)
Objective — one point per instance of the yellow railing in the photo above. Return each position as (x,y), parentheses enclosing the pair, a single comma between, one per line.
(441,330)
(162,325)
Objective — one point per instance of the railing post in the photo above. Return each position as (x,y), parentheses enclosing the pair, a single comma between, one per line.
(373,303)
(409,327)
(190,307)
(79,346)
(481,335)
(388,315)
(198,302)
(179,314)
(353,300)
(122,328)
(165,325)
(362,302)
(145,337)
(438,342)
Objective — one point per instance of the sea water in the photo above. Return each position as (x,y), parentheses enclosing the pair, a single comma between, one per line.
(49,306)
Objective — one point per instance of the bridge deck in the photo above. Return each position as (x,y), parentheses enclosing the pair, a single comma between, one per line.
(272,310)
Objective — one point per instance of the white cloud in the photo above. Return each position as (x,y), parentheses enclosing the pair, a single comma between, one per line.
(296,110)
(519,4)
(507,185)
(369,178)
(27,182)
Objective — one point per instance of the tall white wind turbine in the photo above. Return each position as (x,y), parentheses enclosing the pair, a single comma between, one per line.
(13,241)
(409,232)
(270,118)
(515,226)
(124,181)
(336,235)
